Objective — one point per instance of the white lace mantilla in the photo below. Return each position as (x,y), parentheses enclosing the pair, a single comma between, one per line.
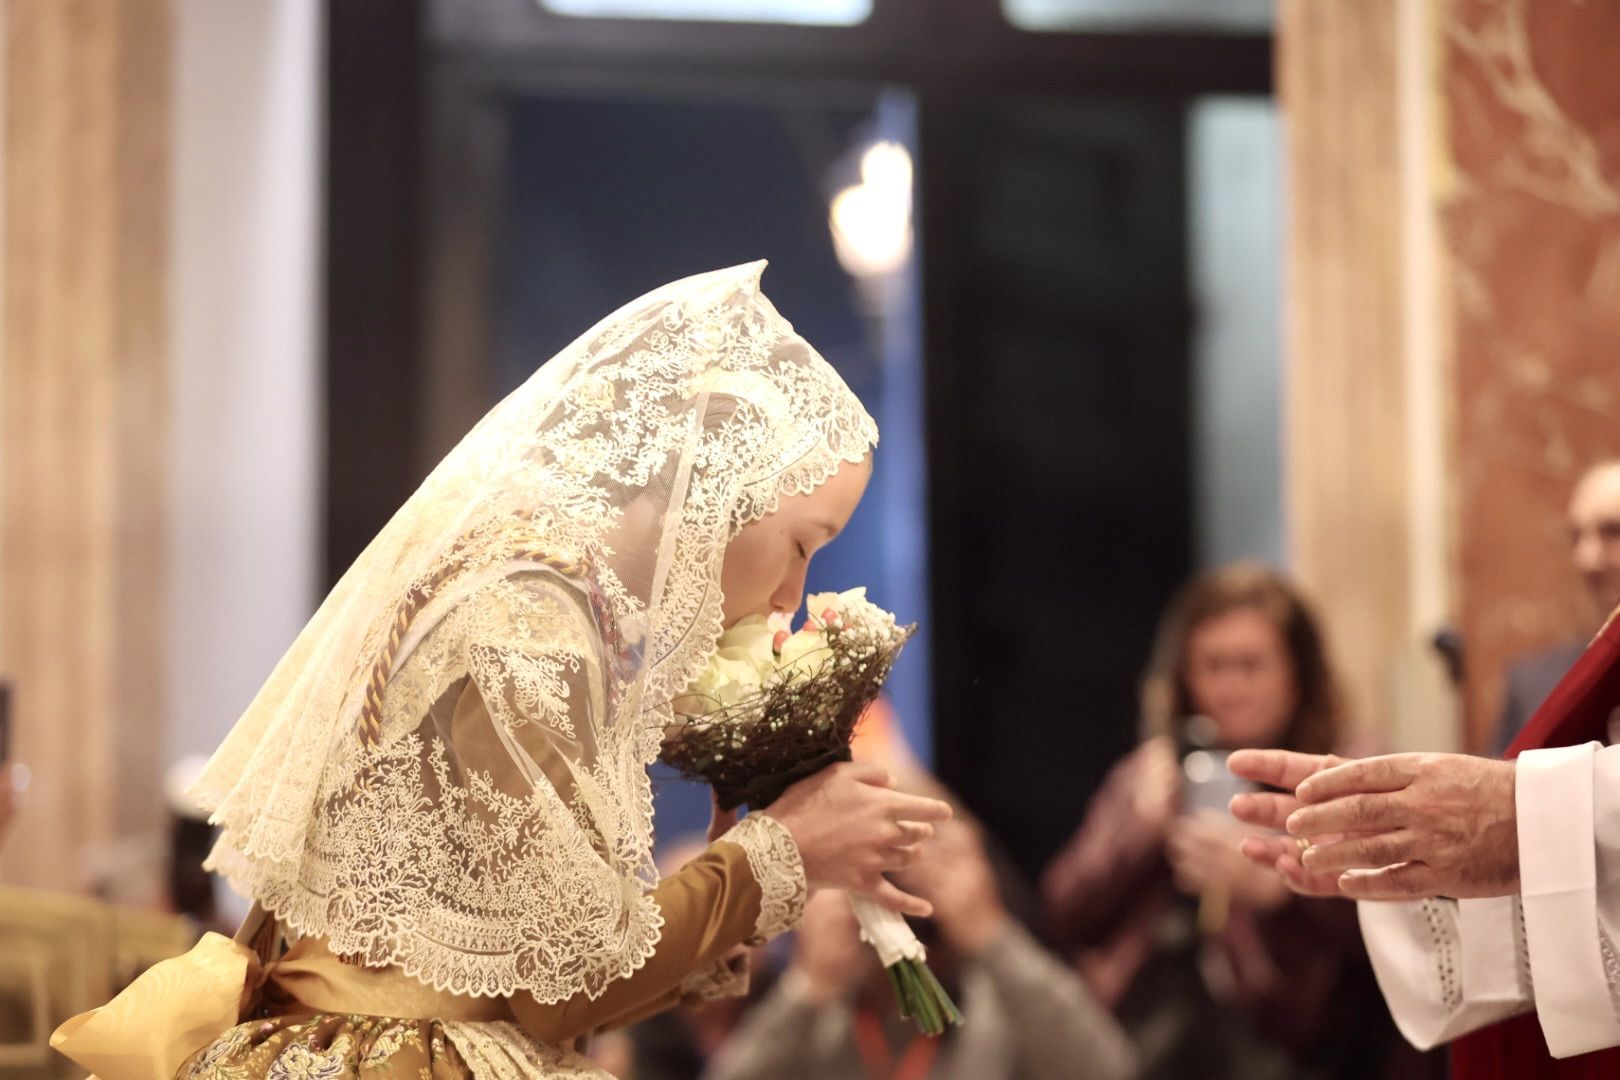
(561,567)
(774,859)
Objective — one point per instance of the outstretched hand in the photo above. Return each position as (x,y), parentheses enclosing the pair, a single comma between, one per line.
(1385,828)
(1270,811)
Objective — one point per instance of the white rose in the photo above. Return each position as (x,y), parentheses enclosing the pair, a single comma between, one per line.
(803,654)
(748,642)
(741,680)
(722,684)
(702,697)
(820,603)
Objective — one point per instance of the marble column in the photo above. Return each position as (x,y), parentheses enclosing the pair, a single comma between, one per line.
(1454,331)
(82,422)
(1360,402)
(1531,224)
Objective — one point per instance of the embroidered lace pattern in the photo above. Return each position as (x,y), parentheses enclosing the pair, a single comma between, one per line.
(564,563)
(774,859)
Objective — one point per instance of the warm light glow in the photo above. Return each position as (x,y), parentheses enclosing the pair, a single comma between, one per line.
(801,12)
(1104,16)
(871,221)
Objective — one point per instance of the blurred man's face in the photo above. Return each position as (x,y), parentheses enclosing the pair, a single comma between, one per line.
(1594,531)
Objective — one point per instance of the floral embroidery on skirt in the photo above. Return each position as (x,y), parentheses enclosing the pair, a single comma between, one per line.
(326,1047)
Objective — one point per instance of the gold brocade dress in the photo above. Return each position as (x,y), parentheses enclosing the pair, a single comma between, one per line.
(319,1017)
(326,1018)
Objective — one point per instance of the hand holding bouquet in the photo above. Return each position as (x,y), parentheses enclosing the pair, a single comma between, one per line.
(775,706)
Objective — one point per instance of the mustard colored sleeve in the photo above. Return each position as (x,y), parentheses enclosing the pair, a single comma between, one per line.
(747,886)
(710,905)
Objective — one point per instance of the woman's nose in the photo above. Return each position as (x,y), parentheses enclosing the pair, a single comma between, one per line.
(789,595)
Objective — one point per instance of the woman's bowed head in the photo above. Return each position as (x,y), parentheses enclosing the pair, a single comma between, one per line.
(850,825)
(765,564)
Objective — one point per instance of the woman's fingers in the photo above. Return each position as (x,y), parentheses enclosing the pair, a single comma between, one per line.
(902,807)
(900,858)
(867,772)
(892,898)
(899,803)
(913,832)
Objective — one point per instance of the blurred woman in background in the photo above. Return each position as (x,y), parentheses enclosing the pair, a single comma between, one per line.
(1215,968)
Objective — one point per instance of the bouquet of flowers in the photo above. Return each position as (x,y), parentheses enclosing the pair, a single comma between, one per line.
(775,706)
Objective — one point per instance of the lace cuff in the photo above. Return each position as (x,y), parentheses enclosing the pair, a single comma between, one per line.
(727,977)
(774,859)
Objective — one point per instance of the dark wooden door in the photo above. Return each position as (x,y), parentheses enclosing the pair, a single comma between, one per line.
(1058,327)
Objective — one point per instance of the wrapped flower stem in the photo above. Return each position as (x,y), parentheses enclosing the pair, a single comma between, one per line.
(919,994)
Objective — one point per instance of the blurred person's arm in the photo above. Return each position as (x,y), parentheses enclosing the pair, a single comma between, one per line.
(1290,957)
(1091,885)
(1295,971)
(1054,1020)
(777,1036)
(813,999)
(1206,858)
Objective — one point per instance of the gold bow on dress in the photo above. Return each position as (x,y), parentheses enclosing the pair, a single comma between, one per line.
(174,1009)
